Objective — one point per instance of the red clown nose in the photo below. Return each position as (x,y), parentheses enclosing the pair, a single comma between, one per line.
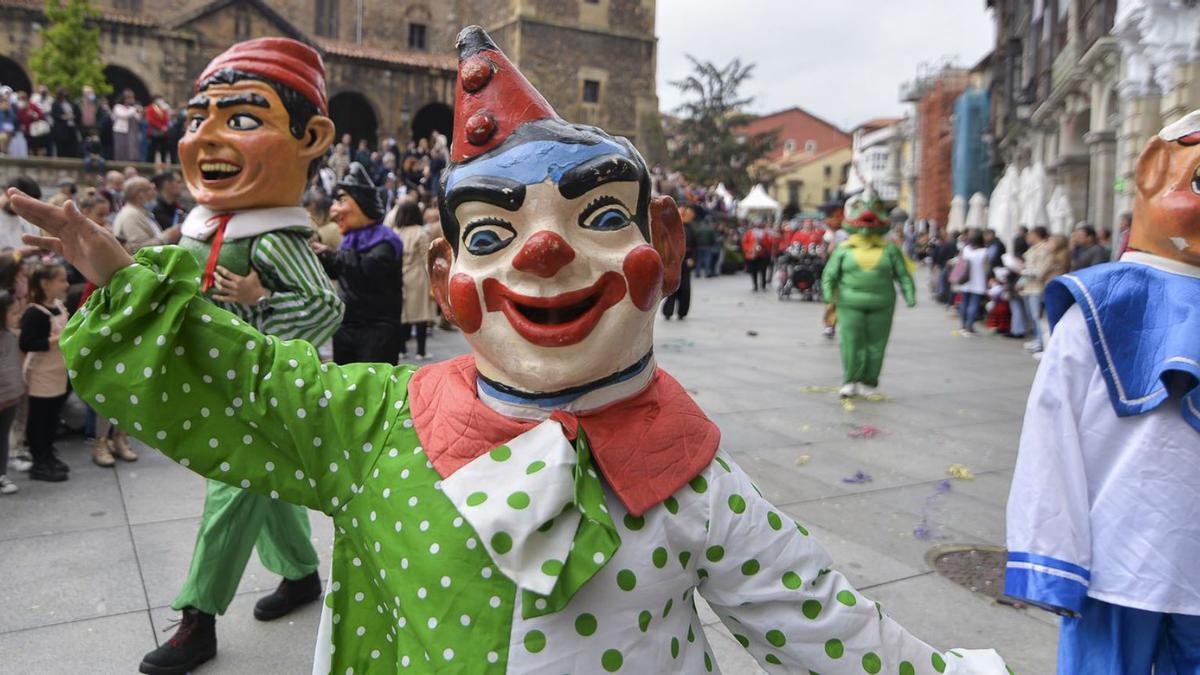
(544,254)
(492,98)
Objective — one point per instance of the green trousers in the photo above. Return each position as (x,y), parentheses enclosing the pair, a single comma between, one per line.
(863,337)
(234,522)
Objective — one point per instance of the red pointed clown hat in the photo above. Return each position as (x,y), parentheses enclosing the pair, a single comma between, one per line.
(492,97)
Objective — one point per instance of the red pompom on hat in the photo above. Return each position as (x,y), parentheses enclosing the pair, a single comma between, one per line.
(284,60)
(492,98)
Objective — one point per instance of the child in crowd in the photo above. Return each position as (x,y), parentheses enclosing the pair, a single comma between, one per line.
(12,384)
(14,278)
(45,370)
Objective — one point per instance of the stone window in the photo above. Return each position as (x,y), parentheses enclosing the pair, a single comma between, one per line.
(326,18)
(810,146)
(591,91)
(416,36)
(829,171)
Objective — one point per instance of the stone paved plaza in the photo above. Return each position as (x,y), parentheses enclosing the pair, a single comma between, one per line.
(91,565)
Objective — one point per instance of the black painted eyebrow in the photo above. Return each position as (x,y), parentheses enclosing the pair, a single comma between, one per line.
(507,194)
(587,176)
(248,98)
(199,101)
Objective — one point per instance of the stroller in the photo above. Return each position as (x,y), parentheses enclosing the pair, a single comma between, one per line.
(800,268)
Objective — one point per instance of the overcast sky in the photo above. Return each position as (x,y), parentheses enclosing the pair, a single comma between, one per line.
(842,60)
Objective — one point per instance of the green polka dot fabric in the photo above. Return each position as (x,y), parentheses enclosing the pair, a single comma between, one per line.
(523,561)
(523,500)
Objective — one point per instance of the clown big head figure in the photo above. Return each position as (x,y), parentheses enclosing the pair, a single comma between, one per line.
(554,254)
(256,126)
(1166,213)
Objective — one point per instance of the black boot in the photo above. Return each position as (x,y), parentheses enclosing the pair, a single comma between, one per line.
(288,596)
(194,643)
(45,471)
(57,461)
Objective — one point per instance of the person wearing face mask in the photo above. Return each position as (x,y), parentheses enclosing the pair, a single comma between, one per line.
(367,267)
(135,225)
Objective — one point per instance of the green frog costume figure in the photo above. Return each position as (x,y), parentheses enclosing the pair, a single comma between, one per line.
(860,277)
(552,502)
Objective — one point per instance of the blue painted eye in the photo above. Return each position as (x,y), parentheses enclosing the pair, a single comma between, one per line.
(608,220)
(482,241)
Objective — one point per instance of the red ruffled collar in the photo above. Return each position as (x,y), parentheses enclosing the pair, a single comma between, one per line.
(647,446)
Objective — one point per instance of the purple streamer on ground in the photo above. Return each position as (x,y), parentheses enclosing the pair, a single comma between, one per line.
(928,528)
(858,477)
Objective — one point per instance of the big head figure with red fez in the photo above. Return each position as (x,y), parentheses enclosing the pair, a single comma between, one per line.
(554,254)
(258,122)
(1166,213)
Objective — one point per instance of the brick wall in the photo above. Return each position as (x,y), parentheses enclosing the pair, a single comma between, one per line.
(935,130)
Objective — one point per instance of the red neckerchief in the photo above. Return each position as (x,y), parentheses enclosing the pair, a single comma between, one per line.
(647,446)
(214,251)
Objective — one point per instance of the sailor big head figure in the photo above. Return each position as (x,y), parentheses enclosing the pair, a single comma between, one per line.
(1166,213)
(554,254)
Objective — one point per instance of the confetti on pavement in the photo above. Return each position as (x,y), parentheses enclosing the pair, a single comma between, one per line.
(866,431)
(858,478)
(960,472)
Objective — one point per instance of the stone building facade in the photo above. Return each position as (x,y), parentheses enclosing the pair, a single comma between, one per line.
(391,64)
(1081,85)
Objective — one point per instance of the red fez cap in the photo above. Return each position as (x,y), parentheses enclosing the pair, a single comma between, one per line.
(283,60)
(492,98)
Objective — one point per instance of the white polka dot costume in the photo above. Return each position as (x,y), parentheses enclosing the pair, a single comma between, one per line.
(521,561)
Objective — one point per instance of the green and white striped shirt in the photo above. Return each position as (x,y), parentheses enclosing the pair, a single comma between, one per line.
(303,303)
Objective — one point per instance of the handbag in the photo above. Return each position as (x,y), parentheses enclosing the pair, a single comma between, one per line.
(959,272)
(39,128)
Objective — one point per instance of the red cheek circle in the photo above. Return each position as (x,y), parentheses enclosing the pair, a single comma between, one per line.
(644,272)
(464,299)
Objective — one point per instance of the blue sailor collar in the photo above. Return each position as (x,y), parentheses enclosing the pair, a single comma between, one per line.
(1143,315)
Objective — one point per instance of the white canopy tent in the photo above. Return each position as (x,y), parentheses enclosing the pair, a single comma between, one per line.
(977,211)
(1062,216)
(725,196)
(958,213)
(1003,209)
(758,202)
(1032,196)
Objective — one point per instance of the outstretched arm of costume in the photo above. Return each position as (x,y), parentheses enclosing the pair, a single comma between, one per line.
(1049,527)
(832,274)
(772,586)
(221,398)
(900,271)
(303,304)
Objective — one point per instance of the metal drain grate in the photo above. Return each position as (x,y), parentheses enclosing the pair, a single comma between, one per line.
(979,569)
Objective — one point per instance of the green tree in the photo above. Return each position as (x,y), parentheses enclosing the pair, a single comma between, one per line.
(710,146)
(70,52)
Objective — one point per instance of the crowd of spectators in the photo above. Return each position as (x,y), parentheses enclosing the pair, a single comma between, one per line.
(93,128)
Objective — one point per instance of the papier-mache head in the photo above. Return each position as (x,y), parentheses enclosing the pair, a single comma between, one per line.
(865,213)
(554,256)
(1166,211)
(257,126)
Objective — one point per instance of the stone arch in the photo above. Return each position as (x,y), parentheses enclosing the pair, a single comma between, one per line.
(352,113)
(433,116)
(122,78)
(13,75)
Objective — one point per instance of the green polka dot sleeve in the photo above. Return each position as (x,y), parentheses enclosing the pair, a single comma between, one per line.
(772,586)
(221,398)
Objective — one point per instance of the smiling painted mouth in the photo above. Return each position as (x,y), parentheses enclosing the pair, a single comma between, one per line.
(555,316)
(212,170)
(558,320)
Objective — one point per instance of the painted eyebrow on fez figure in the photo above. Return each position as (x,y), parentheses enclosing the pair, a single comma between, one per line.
(198,101)
(248,98)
